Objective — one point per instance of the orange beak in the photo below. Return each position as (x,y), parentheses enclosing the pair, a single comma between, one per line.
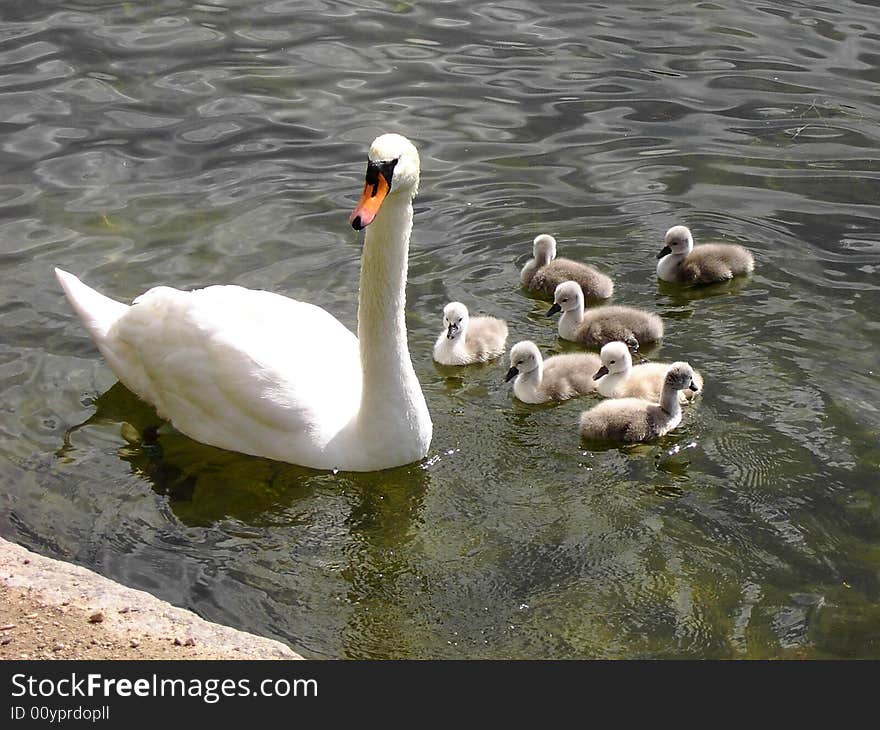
(369,204)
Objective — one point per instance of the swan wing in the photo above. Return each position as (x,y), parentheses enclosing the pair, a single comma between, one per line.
(242,369)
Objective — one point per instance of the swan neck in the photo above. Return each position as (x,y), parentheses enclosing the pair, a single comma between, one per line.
(610,383)
(668,267)
(669,401)
(534,377)
(571,320)
(387,369)
(527,385)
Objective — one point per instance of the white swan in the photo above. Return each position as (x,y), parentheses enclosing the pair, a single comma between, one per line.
(263,374)
(466,340)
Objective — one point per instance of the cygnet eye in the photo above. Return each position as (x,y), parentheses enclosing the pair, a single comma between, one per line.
(564,300)
(612,362)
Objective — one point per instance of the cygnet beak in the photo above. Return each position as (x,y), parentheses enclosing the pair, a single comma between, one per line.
(554,310)
(511,374)
(600,373)
(665,251)
(693,387)
(453,331)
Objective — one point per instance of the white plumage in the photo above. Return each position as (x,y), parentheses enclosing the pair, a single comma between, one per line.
(264,374)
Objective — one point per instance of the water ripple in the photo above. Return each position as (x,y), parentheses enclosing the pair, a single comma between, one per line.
(224,143)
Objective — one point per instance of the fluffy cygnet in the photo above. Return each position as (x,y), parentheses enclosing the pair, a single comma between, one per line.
(559,377)
(636,419)
(618,378)
(545,272)
(465,339)
(681,261)
(603,324)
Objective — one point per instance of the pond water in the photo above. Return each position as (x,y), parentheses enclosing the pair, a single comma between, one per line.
(190,143)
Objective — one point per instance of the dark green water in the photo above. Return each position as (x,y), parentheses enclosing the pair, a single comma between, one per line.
(190,143)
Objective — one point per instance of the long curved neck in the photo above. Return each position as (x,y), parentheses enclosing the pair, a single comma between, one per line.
(389,379)
(669,401)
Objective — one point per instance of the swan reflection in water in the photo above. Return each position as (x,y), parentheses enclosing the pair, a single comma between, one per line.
(260,530)
(205,484)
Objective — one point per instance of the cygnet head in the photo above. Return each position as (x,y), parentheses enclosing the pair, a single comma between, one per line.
(544,248)
(679,241)
(568,296)
(615,358)
(524,358)
(680,376)
(455,320)
(392,169)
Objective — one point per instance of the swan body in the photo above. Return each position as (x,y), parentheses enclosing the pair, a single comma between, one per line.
(636,419)
(618,378)
(466,340)
(681,261)
(263,374)
(598,326)
(544,272)
(559,377)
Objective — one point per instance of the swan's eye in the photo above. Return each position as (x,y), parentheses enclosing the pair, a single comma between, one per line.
(458,321)
(384,168)
(612,362)
(564,300)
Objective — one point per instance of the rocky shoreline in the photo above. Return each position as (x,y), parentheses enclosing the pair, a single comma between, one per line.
(50,609)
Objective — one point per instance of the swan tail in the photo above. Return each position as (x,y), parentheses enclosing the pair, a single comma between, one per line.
(97,312)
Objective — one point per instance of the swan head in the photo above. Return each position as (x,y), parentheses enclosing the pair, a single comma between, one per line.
(392,169)
(524,358)
(678,241)
(455,320)
(544,248)
(568,296)
(680,375)
(615,358)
